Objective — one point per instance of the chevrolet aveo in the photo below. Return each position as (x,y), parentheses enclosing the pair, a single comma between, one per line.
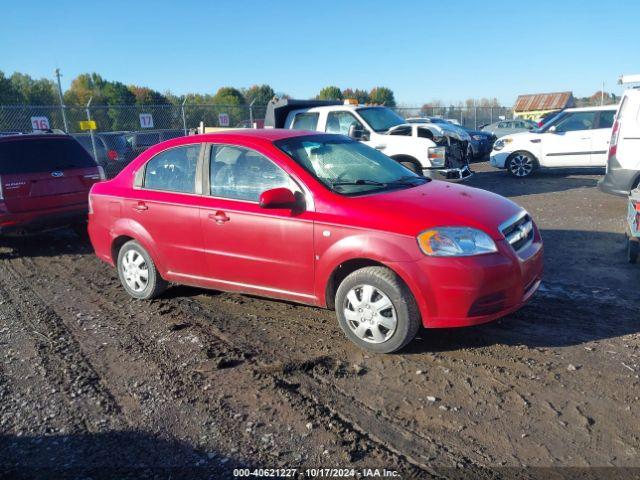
(317,219)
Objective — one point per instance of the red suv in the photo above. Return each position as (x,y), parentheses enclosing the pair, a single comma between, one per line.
(44,182)
(317,219)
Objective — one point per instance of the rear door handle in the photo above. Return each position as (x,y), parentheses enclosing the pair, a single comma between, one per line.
(141,207)
(219,217)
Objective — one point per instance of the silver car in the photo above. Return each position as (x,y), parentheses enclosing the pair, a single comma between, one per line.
(508,127)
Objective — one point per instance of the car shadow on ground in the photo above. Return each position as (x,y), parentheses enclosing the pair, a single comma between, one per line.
(545,181)
(588,294)
(122,455)
(46,244)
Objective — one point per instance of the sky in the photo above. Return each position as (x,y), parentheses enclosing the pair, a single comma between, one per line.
(422,50)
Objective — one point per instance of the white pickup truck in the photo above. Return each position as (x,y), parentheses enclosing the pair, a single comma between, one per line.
(430,149)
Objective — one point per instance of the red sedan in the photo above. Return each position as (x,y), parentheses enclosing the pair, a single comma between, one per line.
(317,219)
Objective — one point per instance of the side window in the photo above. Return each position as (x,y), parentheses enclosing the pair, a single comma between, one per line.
(173,170)
(305,121)
(503,125)
(243,174)
(606,119)
(339,122)
(576,121)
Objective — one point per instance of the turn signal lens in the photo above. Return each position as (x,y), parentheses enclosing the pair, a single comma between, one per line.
(437,156)
(455,242)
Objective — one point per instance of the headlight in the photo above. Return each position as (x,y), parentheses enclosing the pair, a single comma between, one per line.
(478,137)
(437,156)
(455,242)
(500,144)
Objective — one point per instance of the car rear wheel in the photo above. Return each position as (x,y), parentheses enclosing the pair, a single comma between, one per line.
(376,310)
(521,164)
(138,273)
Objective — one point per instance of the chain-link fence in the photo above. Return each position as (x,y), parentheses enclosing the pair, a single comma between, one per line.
(470,117)
(116,134)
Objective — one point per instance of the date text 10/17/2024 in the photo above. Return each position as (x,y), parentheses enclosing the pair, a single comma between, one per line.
(317,472)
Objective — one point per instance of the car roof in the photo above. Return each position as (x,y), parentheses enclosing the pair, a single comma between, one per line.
(33,136)
(268,134)
(591,109)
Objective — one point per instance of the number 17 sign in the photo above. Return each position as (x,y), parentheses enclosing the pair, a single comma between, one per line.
(146,120)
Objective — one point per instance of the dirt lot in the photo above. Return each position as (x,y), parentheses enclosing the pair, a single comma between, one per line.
(198,383)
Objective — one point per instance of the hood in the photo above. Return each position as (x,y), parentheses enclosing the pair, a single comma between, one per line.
(438,130)
(436,203)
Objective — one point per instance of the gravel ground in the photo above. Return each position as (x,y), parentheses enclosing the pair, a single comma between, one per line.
(198,383)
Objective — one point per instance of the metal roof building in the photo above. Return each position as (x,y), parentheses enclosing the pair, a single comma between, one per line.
(543,102)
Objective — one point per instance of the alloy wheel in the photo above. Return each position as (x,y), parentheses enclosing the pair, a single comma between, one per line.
(135,270)
(370,314)
(521,165)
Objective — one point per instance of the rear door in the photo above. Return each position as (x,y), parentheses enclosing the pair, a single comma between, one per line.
(166,205)
(45,173)
(570,144)
(601,136)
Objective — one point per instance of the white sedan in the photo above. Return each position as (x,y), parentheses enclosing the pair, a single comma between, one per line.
(578,137)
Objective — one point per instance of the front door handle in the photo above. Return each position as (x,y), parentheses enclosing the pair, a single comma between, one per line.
(219,217)
(380,147)
(141,207)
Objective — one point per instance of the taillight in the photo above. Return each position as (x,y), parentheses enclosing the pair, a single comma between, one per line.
(113,155)
(613,144)
(437,156)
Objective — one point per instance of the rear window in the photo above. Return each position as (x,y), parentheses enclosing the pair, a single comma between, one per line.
(42,155)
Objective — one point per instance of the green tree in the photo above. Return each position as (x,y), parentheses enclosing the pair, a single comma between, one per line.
(382,96)
(330,93)
(230,101)
(34,92)
(260,93)
(9,95)
(83,87)
(362,96)
(148,96)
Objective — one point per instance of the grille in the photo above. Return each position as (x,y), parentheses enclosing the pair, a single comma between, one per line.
(519,233)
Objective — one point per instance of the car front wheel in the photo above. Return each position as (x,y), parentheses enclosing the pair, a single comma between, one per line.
(376,310)
(138,273)
(521,164)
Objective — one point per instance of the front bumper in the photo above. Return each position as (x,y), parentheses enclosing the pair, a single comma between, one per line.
(41,220)
(498,159)
(437,173)
(464,291)
(618,180)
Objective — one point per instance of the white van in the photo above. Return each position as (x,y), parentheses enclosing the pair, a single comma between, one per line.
(623,164)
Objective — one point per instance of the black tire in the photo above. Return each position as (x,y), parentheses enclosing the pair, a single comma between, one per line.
(521,164)
(410,163)
(633,250)
(155,284)
(406,310)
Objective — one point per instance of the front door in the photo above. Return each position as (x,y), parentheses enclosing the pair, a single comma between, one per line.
(249,248)
(570,144)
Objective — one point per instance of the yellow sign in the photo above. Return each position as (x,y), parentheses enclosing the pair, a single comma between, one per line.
(88,125)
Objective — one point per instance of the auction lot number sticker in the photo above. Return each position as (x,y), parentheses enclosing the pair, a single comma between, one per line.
(317,472)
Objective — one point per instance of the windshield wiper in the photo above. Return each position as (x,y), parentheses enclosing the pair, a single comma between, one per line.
(360,181)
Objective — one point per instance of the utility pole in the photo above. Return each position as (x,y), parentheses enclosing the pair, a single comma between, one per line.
(62,107)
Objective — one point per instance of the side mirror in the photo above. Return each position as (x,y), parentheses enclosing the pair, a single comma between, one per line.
(552,129)
(278,198)
(355,132)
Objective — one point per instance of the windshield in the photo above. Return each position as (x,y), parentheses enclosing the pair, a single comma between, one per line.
(381,119)
(346,166)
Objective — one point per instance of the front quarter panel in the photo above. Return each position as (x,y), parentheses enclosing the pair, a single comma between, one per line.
(338,244)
